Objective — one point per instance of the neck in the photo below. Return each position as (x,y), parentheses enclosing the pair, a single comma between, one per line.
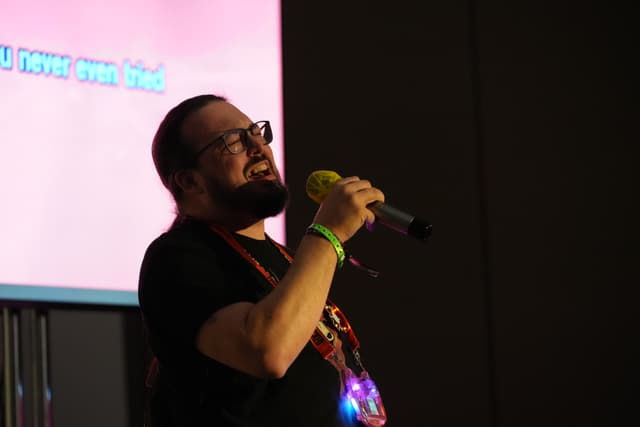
(255,231)
(234,222)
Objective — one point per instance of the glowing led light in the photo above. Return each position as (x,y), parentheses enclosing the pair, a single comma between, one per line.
(355,405)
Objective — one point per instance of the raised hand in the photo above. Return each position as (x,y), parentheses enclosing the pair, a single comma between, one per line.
(344,210)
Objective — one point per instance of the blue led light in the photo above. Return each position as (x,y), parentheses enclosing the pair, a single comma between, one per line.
(348,408)
(355,405)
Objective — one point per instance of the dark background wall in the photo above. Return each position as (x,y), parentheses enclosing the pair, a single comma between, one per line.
(512,126)
(383,91)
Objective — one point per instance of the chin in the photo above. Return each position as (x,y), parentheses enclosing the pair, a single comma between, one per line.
(261,198)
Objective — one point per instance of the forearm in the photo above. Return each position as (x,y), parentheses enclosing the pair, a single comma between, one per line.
(281,324)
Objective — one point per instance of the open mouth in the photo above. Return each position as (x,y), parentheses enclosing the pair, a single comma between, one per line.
(258,171)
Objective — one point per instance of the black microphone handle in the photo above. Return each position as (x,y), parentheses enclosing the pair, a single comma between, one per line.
(401,222)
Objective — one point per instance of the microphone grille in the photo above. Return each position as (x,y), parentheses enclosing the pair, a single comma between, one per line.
(319,183)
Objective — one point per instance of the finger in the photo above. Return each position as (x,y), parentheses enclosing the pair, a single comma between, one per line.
(357,185)
(370,195)
(370,218)
(371,226)
(347,180)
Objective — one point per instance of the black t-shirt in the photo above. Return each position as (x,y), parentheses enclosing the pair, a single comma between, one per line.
(189,273)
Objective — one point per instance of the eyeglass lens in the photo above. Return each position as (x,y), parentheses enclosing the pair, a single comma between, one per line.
(237,141)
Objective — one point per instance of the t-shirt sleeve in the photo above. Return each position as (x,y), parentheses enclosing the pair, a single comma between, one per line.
(181,285)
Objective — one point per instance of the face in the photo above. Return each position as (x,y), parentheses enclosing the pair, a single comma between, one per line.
(248,182)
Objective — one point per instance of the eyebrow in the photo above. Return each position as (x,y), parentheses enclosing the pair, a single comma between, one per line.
(220,134)
(213,140)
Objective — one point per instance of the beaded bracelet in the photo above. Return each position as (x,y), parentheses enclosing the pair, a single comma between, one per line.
(321,230)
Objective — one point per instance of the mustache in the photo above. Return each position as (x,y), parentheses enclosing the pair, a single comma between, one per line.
(254,160)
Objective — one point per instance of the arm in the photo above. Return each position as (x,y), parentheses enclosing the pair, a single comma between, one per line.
(264,339)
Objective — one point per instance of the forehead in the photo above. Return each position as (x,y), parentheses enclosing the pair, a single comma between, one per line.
(211,120)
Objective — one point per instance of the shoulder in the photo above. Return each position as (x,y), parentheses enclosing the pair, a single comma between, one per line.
(186,256)
(188,240)
(184,270)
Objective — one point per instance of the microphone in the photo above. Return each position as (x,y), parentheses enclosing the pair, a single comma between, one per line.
(320,182)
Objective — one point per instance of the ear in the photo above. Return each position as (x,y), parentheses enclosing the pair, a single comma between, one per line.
(189,181)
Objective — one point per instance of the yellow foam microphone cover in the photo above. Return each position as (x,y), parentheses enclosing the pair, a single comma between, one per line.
(319,183)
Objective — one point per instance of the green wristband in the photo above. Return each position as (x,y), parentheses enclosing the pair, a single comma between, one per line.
(321,230)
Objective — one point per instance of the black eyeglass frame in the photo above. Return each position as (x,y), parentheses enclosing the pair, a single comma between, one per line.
(255,129)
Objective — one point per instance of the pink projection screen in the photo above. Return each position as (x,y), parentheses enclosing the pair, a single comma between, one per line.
(84,86)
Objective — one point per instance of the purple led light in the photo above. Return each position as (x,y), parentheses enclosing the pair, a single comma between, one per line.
(363,396)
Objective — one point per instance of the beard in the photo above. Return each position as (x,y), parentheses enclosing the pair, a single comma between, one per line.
(259,199)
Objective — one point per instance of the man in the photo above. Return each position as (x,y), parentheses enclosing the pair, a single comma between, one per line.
(230,315)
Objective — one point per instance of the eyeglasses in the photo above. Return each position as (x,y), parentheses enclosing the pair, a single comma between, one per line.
(237,140)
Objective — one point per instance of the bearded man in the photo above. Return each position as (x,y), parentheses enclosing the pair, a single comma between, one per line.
(240,327)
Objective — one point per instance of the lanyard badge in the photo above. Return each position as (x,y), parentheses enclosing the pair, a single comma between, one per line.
(360,395)
(362,398)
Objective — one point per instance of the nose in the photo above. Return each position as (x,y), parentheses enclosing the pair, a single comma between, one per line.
(255,144)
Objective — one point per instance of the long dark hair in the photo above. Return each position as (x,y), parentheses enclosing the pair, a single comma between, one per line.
(170,153)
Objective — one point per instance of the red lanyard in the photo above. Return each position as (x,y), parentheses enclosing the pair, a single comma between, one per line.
(336,316)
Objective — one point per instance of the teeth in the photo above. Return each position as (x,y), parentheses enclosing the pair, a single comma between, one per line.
(260,168)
